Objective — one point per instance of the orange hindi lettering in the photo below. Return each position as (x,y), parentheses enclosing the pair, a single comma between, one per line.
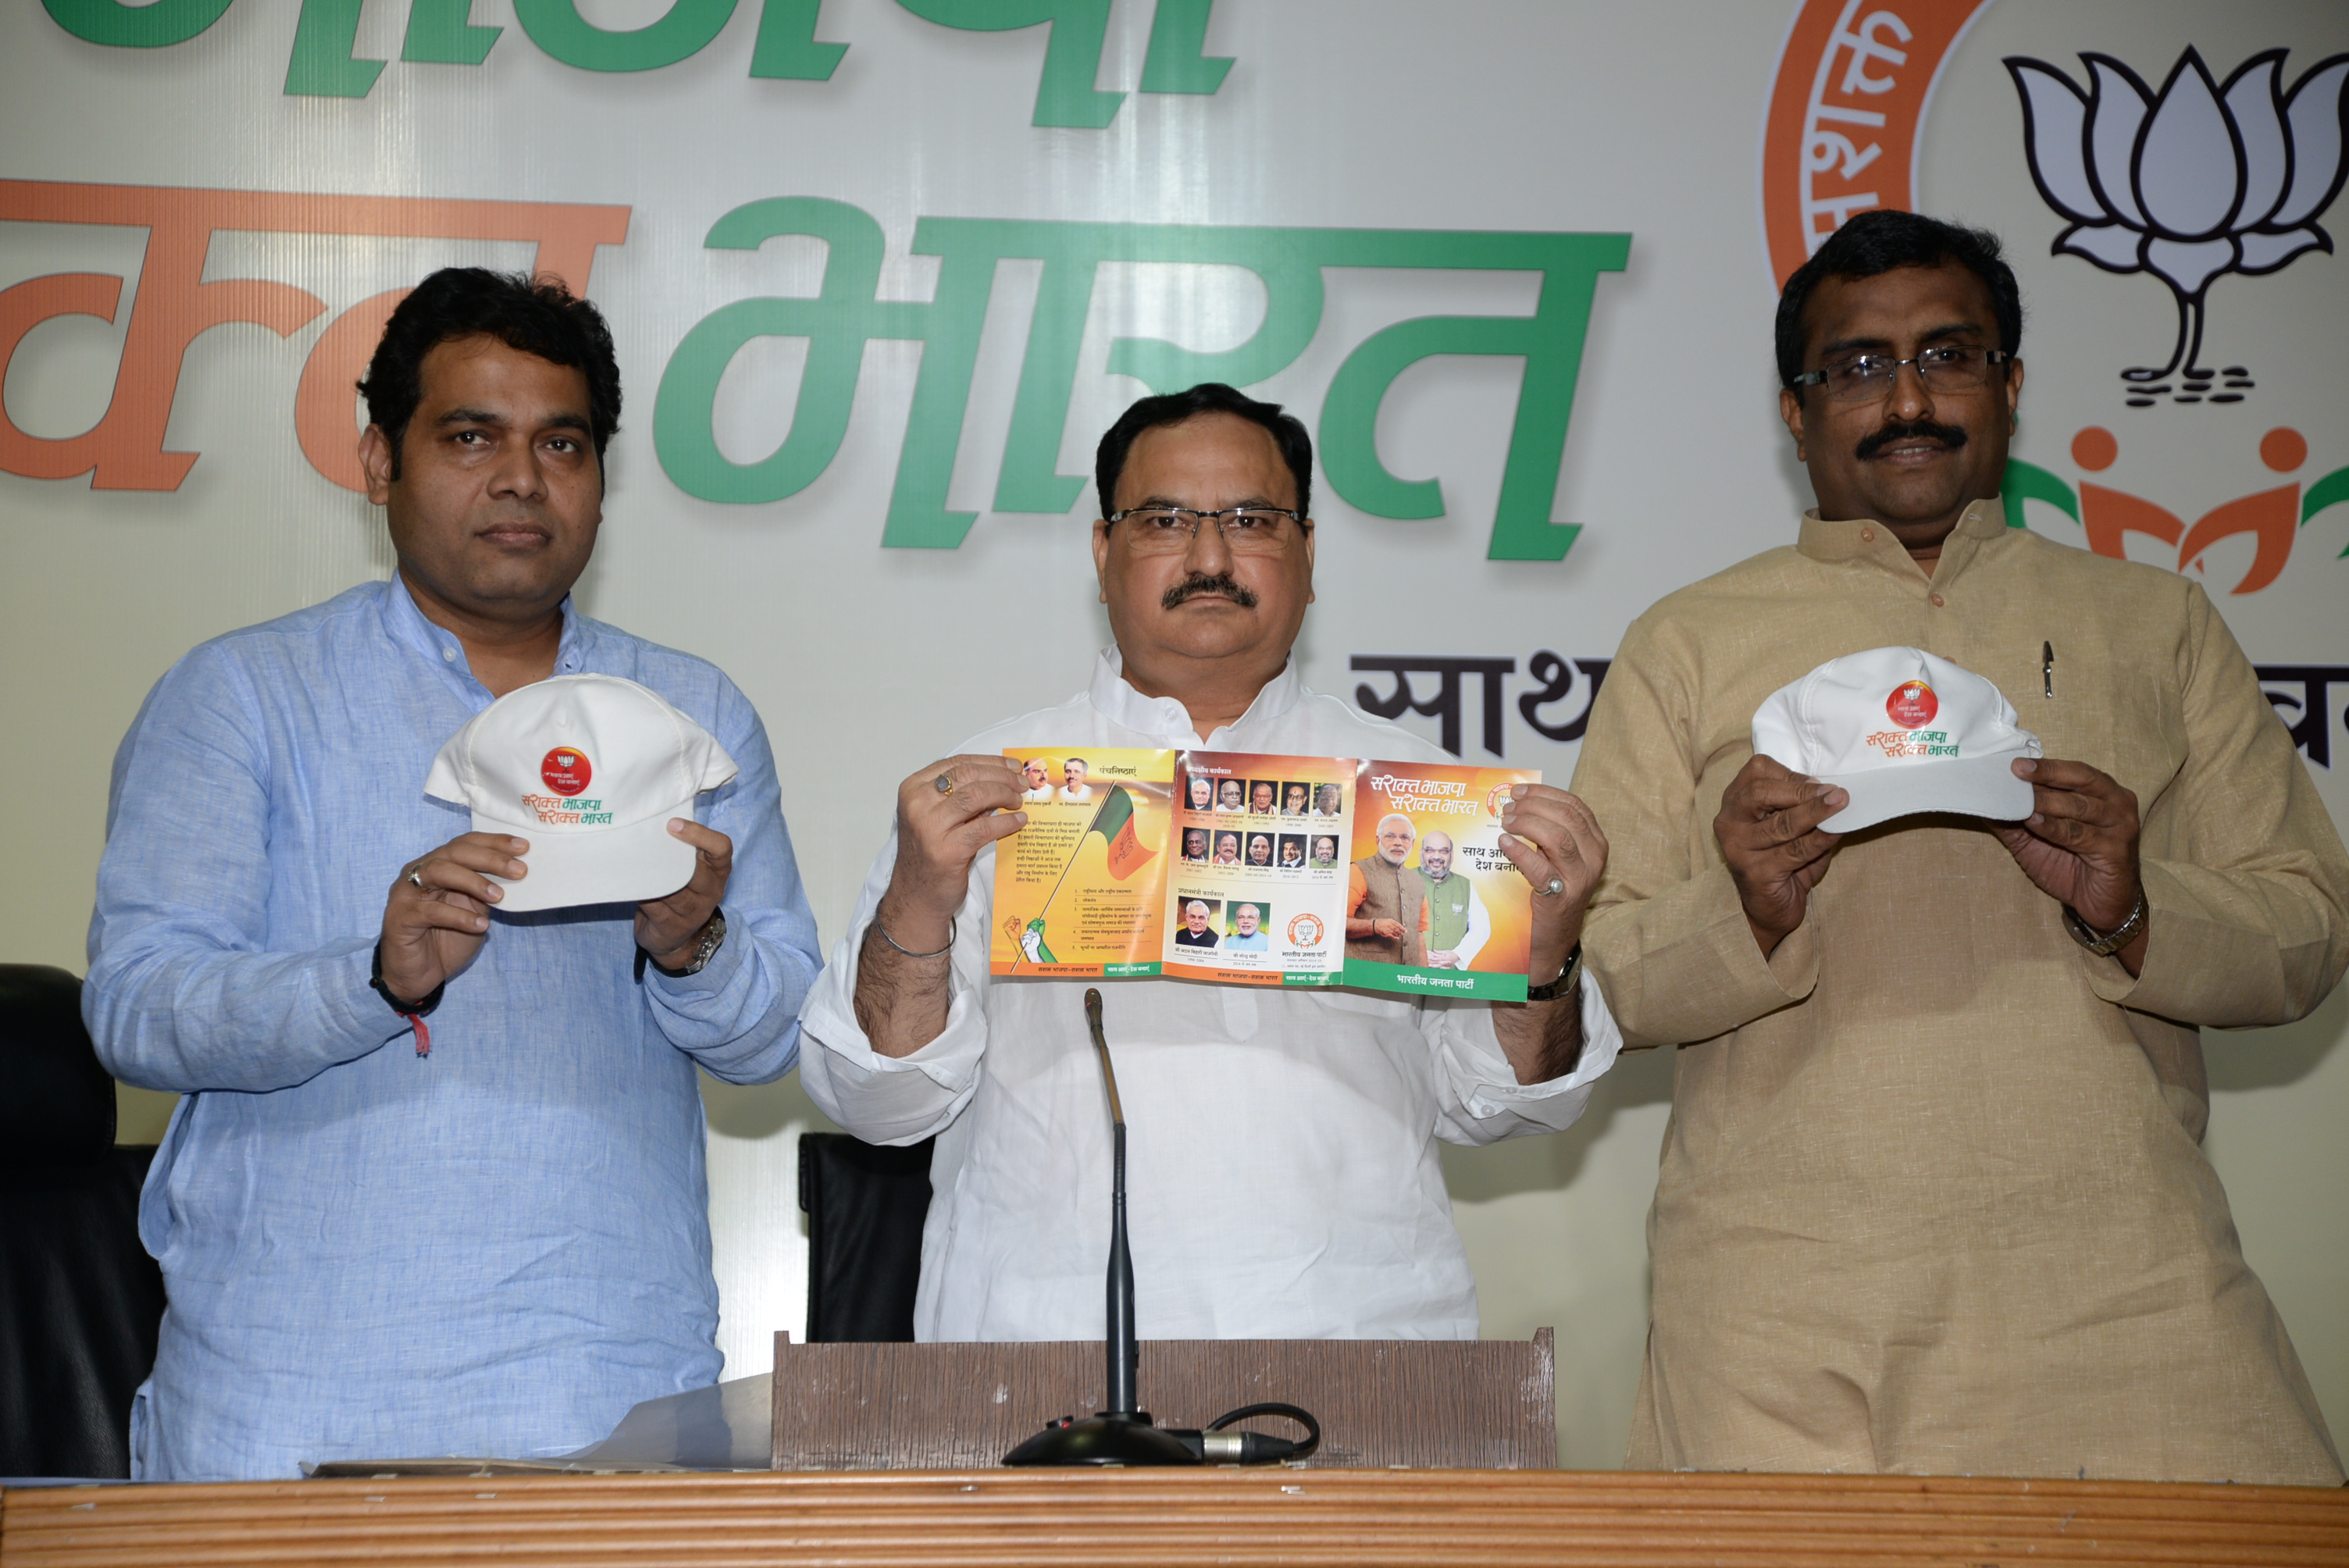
(174,305)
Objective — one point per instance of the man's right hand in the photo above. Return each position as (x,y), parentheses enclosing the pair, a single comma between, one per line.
(439,911)
(902,970)
(939,834)
(1769,833)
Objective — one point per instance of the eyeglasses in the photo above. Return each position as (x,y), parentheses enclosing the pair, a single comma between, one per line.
(1867,377)
(1246,530)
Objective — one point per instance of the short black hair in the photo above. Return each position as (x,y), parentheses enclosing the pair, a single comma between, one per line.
(1206,397)
(1877,241)
(536,316)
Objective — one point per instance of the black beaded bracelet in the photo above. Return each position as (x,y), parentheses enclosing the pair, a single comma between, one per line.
(405,1009)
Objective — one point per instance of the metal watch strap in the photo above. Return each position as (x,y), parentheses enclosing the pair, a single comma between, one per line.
(1563,983)
(713,932)
(2121,936)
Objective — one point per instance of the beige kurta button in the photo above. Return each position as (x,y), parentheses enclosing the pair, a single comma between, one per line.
(1938,602)
(1867,536)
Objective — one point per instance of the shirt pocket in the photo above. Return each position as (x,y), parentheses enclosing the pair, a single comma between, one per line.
(2112,713)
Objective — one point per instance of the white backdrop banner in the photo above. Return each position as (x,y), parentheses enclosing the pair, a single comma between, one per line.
(881,271)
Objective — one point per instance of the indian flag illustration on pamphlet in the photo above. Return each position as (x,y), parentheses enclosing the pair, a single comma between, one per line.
(1257,869)
(1074,892)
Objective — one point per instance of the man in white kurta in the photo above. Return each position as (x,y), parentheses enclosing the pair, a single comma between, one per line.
(1283,1166)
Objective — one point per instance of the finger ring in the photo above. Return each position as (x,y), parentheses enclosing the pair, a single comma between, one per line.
(417,880)
(1556,886)
(944,782)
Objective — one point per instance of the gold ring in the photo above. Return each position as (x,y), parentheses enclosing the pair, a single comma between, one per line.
(416,881)
(944,782)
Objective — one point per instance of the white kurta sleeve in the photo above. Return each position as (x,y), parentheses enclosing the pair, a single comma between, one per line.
(1480,929)
(1483,1102)
(899,1099)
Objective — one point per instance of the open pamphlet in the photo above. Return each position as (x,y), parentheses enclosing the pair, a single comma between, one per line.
(1245,868)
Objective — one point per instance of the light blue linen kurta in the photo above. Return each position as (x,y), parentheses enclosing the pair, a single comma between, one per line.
(494,1249)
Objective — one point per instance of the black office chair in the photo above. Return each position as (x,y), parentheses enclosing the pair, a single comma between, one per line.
(865,1206)
(79,1298)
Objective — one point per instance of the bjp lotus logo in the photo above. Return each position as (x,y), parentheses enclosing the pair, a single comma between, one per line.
(2272,517)
(2196,180)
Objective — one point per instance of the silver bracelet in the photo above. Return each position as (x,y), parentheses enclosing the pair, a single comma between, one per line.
(2105,946)
(909,952)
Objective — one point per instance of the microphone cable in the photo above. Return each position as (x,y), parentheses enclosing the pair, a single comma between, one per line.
(1213,1445)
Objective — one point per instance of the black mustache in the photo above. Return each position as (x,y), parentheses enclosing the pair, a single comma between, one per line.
(1199,582)
(1949,436)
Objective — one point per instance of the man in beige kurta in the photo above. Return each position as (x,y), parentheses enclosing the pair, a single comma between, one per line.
(1932,1198)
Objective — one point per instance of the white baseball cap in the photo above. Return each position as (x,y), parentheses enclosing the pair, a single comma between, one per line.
(1900,730)
(589,768)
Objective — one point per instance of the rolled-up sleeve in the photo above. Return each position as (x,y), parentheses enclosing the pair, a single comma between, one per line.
(739,1017)
(181,995)
(1482,1100)
(899,1099)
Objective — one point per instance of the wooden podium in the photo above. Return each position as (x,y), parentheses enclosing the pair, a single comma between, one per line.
(1329,1519)
(840,1413)
(1382,1403)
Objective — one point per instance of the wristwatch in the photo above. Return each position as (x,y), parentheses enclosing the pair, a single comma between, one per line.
(1563,983)
(2105,946)
(712,934)
(410,1010)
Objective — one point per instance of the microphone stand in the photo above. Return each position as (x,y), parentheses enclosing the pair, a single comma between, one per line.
(1122,1434)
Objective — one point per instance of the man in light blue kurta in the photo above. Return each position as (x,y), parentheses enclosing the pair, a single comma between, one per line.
(491,1249)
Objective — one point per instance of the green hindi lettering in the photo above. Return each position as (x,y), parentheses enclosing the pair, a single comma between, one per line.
(844,315)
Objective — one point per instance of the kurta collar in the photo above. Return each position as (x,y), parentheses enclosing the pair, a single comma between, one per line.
(1114,697)
(1864,539)
(407,625)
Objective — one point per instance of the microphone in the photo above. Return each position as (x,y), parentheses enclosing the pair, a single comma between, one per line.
(1123,1434)
(1124,1350)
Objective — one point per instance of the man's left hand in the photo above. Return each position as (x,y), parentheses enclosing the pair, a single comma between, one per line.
(1551,835)
(2079,845)
(670,928)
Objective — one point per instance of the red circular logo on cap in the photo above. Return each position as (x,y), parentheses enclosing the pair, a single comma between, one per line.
(566,772)
(1911,705)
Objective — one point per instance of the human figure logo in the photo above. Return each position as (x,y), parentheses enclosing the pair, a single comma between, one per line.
(2272,517)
